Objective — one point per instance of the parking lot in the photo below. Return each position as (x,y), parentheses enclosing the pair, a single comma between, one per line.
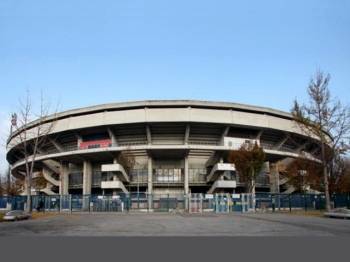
(164,224)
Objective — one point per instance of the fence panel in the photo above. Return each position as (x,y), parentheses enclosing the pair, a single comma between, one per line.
(4,200)
(236,203)
(115,204)
(79,203)
(19,202)
(340,201)
(195,201)
(222,203)
(65,203)
(99,203)
(160,203)
(138,201)
(107,203)
(248,203)
(319,202)
(262,201)
(208,203)
(297,201)
(192,203)
(180,202)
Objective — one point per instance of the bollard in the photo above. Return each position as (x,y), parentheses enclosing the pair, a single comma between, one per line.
(167,204)
(70,203)
(147,205)
(89,205)
(127,204)
(321,203)
(273,202)
(290,203)
(214,204)
(108,203)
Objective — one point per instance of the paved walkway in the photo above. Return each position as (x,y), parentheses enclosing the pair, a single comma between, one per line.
(121,224)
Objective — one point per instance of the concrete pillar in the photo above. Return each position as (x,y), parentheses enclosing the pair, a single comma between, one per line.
(274,176)
(186,176)
(150,176)
(64,181)
(115,178)
(79,140)
(87,172)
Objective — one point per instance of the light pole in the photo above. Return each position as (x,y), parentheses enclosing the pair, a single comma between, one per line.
(13,121)
(138,188)
(138,205)
(13,124)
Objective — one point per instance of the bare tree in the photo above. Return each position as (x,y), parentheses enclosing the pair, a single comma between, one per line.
(29,131)
(326,121)
(249,161)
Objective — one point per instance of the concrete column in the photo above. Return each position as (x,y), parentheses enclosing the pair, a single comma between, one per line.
(87,172)
(79,139)
(150,176)
(64,175)
(115,178)
(186,176)
(274,175)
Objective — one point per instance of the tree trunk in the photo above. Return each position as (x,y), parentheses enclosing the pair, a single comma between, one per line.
(325,178)
(29,195)
(326,190)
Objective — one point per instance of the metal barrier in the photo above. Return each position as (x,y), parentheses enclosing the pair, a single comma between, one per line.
(46,203)
(222,203)
(4,201)
(191,203)
(105,204)
(195,203)
(248,203)
(208,203)
(19,203)
(167,203)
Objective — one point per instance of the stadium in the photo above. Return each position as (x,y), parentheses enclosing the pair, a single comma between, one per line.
(178,147)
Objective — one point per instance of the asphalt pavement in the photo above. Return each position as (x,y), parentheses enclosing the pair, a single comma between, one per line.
(164,224)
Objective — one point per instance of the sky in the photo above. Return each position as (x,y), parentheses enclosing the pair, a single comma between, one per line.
(85,53)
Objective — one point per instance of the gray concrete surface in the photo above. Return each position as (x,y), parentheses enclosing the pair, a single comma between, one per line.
(122,224)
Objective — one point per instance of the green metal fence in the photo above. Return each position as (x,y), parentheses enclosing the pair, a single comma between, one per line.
(306,202)
(190,203)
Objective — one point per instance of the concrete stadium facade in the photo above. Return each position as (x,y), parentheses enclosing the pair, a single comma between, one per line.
(180,147)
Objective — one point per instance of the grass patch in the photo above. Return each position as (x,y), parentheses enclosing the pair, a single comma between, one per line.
(41,215)
(34,216)
(308,213)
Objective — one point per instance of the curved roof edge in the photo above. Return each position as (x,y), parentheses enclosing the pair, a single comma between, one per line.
(174,103)
(159,103)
